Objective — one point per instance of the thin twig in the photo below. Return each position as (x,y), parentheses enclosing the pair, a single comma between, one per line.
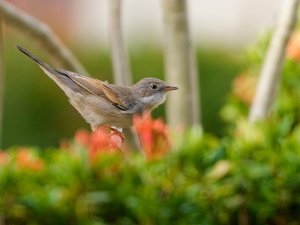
(270,73)
(42,34)
(121,66)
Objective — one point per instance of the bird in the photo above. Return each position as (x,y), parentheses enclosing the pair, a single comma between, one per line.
(103,104)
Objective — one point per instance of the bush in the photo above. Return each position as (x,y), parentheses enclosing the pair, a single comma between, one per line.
(252,178)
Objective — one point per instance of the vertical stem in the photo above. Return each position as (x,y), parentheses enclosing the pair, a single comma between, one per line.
(1,81)
(270,73)
(120,60)
(180,65)
(121,68)
(195,89)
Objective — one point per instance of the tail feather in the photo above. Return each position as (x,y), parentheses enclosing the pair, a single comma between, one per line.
(36,59)
(61,79)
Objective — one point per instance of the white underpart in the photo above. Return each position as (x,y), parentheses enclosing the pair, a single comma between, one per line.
(153,100)
(148,99)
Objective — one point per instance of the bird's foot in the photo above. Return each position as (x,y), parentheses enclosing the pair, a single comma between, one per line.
(115,131)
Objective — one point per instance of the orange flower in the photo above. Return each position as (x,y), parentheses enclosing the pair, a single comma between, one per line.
(82,137)
(100,141)
(3,158)
(103,140)
(293,47)
(153,134)
(244,87)
(26,160)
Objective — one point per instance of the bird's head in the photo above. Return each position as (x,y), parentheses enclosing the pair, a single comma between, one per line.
(151,91)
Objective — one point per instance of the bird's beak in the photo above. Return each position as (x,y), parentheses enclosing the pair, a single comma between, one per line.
(170,88)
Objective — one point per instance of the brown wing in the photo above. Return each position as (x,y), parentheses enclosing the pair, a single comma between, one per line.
(111,94)
(100,88)
(120,96)
(92,85)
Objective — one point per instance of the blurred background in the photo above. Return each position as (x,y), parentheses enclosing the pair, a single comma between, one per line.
(36,111)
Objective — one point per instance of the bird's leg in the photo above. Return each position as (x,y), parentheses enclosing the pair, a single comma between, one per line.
(115,130)
(118,131)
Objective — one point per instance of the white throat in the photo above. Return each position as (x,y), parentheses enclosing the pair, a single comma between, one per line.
(153,101)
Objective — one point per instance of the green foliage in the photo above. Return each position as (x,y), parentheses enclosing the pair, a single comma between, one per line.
(253,176)
(286,104)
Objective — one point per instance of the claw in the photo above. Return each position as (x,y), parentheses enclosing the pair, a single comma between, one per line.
(115,131)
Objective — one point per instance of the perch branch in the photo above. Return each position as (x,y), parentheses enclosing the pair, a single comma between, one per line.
(270,73)
(41,33)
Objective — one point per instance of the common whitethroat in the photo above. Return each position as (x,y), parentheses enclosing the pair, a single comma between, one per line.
(101,103)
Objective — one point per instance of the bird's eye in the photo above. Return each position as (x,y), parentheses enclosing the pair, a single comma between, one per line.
(153,86)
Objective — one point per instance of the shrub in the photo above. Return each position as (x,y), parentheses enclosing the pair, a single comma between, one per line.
(251,178)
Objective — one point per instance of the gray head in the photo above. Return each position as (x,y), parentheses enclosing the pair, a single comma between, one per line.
(151,91)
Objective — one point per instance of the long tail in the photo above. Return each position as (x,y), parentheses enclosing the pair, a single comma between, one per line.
(63,80)
(36,59)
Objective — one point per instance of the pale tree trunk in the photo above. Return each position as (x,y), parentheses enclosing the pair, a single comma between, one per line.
(1,81)
(121,68)
(42,34)
(270,73)
(180,65)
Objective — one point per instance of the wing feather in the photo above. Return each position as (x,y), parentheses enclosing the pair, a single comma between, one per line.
(100,88)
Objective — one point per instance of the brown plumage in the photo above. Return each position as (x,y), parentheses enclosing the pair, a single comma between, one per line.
(101,103)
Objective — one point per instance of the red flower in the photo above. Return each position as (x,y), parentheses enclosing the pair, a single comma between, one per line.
(25,159)
(244,87)
(104,140)
(100,141)
(3,158)
(293,47)
(82,137)
(153,134)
